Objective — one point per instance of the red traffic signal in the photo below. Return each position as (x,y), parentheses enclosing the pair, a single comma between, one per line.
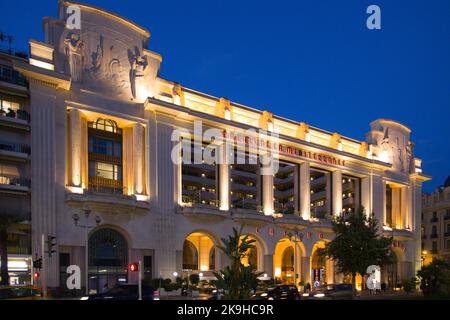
(36,275)
(133,267)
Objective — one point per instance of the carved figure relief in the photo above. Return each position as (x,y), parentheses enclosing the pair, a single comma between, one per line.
(138,64)
(74,52)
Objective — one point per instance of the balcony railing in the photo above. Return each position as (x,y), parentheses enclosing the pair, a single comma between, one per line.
(447,217)
(103,185)
(15,114)
(14,181)
(434,219)
(7,74)
(447,234)
(434,236)
(15,147)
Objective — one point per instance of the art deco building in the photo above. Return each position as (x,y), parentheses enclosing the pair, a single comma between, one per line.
(436,224)
(104,183)
(15,165)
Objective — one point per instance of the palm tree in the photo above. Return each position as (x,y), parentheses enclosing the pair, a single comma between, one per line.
(6,221)
(236,279)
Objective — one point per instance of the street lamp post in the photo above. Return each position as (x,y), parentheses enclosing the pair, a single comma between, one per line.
(75,217)
(295,239)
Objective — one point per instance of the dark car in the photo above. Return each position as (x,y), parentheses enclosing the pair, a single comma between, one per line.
(342,291)
(123,292)
(20,293)
(279,292)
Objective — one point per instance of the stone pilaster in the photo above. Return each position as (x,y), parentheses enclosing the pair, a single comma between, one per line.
(337,192)
(305,191)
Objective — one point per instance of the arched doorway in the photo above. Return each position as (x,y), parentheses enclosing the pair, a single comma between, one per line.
(322,269)
(108,259)
(199,252)
(287,261)
(391,273)
(254,255)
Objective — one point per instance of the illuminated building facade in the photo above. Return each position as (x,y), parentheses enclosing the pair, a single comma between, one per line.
(15,155)
(103,120)
(436,224)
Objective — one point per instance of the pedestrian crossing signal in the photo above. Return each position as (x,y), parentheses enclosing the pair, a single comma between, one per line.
(133,267)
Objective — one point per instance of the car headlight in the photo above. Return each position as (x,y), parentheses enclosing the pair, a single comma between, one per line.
(319,295)
(84,298)
(270,298)
(305,295)
(264,294)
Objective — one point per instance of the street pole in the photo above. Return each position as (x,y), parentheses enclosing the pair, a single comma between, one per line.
(86,262)
(44,267)
(140,280)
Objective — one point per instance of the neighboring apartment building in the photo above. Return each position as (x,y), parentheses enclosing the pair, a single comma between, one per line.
(15,164)
(436,223)
(104,182)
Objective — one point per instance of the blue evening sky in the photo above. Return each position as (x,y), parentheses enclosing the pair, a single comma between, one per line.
(312,61)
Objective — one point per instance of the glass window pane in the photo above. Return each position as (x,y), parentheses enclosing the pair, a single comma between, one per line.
(284,188)
(320,184)
(199,182)
(245,182)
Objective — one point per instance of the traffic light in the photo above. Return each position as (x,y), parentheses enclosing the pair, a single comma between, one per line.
(37,264)
(51,244)
(36,275)
(133,267)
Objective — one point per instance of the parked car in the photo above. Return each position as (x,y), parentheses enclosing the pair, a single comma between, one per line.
(278,292)
(123,292)
(216,294)
(342,291)
(20,293)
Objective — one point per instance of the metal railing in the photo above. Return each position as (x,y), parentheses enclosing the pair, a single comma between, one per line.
(15,114)
(7,74)
(434,219)
(14,181)
(15,147)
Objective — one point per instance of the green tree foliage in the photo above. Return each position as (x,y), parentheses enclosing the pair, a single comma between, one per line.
(6,222)
(357,244)
(435,279)
(236,279)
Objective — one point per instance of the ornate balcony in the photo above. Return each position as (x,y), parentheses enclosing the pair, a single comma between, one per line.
(202,212)
(107,203)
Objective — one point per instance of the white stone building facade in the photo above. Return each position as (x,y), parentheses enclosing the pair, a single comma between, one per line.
(103,119)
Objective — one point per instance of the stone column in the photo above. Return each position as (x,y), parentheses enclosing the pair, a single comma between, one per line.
(337,192)
(127,161)
(138,158)
(224,177)
(379,197)
(268,265)
(366,195)
(267,193)
(305,191)
(75,147)
(306,270)
(396,207)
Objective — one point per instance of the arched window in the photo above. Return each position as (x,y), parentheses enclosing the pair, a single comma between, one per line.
(108,248)
(190,256)
(105,125)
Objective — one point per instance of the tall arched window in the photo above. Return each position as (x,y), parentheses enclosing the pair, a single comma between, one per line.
(190,256)
(108,248)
